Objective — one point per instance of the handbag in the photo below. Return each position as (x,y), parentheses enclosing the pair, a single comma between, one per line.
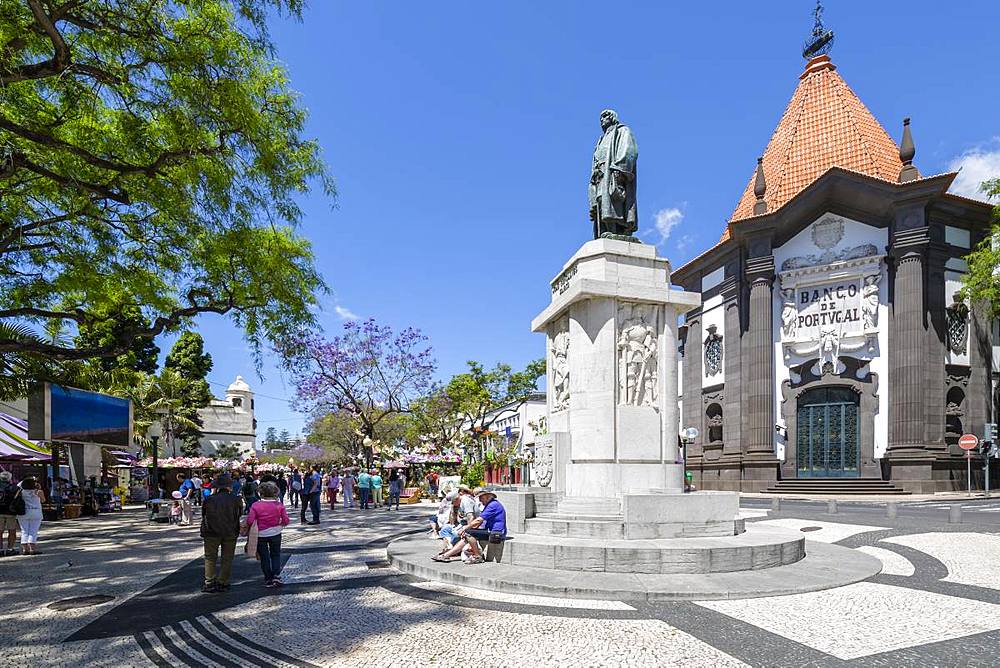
(495,537)
(17,505)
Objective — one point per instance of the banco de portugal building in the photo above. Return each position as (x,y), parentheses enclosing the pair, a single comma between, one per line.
(831,343)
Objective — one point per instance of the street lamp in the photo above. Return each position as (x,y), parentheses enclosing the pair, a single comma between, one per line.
(687,436)
(153,433)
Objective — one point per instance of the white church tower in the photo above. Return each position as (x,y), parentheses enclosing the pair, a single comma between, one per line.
(230,420)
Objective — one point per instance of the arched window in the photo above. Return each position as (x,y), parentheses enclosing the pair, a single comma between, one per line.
(237,402)
(954,412)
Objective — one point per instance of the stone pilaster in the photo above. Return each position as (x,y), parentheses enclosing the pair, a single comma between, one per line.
(732,409)
(934,386)
(759,462)
(908,337)
(979,398)
(691,402)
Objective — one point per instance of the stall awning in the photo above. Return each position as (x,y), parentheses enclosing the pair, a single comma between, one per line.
(14,443)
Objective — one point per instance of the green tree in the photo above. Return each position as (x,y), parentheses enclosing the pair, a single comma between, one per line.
(169,394)
(228,451)
(271,439)
(477,393)
(433,420)
(189,359)
(151,157)
(982,283)
(283,438)
(142,353)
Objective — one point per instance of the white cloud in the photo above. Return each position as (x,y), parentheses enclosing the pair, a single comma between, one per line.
(976,165)
(667,220)
(345,313)
(684,242)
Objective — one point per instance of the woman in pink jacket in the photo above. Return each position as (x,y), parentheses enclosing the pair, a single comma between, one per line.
(271,517)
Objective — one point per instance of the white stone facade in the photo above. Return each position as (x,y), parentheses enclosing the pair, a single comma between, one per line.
(230,420)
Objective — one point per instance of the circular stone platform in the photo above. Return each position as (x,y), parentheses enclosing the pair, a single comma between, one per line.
(824,566)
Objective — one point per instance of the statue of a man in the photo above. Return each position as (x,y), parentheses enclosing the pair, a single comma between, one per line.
(612,180)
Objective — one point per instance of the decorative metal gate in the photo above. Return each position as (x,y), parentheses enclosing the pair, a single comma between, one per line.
(827,433)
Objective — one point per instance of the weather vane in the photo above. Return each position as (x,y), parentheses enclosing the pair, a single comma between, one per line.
(821,40)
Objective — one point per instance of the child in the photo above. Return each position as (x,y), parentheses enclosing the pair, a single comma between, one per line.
(175,512)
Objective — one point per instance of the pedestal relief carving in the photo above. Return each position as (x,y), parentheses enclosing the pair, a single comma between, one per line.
(637,372)
(542,466)
(560,367)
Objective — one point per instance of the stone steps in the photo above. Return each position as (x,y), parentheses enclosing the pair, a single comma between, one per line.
(590,505)
(764,547)
(573,526)
(852,486)
(824,567)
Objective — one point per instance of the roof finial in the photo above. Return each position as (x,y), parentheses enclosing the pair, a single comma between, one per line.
(821,41)
(906,152)
(759,189)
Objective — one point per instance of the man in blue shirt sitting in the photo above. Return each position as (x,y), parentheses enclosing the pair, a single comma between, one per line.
(491,521)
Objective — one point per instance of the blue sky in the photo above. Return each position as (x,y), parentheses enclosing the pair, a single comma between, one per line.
(460,136)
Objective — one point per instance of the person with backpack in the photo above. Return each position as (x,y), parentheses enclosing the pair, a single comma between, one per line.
(27,505)
(249,491)
(8,520)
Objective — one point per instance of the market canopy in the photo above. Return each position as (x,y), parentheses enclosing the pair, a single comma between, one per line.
(14,442)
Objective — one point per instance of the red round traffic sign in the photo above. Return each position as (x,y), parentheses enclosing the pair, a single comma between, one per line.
(968,442)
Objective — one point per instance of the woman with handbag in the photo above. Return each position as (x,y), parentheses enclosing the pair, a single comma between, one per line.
(27,506)
(263,525)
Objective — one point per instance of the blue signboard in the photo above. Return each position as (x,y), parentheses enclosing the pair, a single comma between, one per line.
(88,417)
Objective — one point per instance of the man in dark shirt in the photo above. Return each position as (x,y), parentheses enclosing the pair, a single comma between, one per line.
(220,527)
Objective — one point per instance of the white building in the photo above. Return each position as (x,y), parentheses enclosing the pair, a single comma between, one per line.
(513,423)
(230,420)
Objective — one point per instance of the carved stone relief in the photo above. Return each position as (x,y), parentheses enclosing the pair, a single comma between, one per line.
(542,466)
(829,257)
(713,352)
(789,314)
(869,301)
(637,344)
(957,318)
(560,366)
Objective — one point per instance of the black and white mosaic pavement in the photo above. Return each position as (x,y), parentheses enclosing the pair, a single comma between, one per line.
(936,602)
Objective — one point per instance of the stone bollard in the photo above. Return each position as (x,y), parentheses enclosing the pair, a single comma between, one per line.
(775,504)
(831,507)
(955,514)
(891,510)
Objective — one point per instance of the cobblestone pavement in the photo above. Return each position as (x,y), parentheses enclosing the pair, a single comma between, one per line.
(936,603)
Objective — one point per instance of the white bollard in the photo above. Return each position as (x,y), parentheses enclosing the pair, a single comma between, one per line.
(891,510)
(831,507)
(775,503)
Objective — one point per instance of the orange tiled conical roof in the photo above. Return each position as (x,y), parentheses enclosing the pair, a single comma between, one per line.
(824,125)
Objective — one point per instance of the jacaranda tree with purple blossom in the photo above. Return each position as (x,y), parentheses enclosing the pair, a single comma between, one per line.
(370,371)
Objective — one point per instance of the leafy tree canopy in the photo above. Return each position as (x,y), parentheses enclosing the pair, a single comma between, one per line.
(982,283)
(188,357)
(478,392)
(151,156)
(142,354)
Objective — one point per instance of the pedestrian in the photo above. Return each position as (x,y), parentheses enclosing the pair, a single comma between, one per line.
(249,491)
(433,480)
(347,483)
(365,488)
(220,527)
(376,488)
(31,519)
(8,520)
(296,486)
(490,526)
(271,517)
(395,488)
(332,487)
(282,488)
(196,484)
(312,486)
(187,490)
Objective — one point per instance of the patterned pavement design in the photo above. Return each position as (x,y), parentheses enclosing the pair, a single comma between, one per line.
(935,603)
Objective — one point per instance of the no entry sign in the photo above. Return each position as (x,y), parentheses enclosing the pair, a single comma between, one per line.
(968,442)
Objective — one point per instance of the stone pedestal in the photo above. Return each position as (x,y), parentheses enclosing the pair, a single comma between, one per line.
(611,335)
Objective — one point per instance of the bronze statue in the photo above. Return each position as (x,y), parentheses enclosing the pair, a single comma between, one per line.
(612,181)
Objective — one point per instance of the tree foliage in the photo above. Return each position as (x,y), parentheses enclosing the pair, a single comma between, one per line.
(476,394)
(370,372)
(151,156)
(228,451)
(190,361)
(982,283)
(142,354)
